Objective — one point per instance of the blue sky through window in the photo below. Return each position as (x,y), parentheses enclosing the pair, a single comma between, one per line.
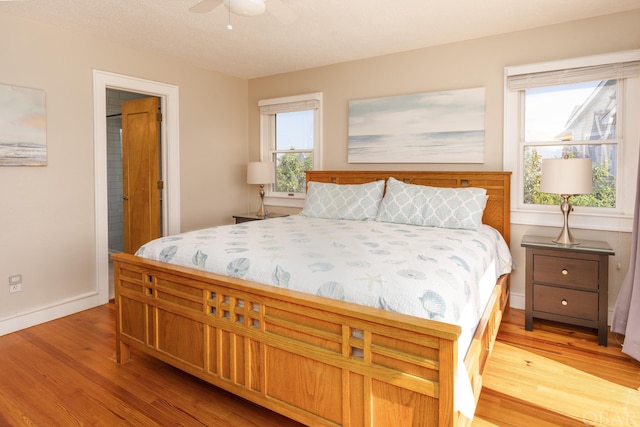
(294,130)
(548,109)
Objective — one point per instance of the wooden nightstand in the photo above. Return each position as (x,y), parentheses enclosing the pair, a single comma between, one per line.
(567,284)
(253,217)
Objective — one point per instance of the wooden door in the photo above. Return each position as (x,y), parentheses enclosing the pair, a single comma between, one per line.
(140,172)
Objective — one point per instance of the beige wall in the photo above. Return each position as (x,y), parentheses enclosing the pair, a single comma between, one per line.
(468,64)
(47,217)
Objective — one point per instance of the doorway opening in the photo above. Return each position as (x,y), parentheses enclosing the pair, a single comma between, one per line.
(170,163)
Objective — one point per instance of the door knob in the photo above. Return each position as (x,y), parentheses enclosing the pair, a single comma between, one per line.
(125,197)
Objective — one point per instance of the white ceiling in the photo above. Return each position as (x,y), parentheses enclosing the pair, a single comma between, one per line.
(325,31)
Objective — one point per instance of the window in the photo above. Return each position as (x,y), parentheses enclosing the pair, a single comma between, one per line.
(290,133)
(577,108)
(574,120)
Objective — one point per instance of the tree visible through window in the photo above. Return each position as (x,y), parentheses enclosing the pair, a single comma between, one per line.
(293,153)
(575,120)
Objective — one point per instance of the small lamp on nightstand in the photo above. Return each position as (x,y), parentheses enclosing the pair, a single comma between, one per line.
(566,177)
(261,173)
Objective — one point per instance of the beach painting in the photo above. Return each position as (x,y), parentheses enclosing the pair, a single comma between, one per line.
(434,127)
(23,126)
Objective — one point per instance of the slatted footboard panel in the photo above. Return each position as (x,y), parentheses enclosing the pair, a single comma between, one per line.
(317,362)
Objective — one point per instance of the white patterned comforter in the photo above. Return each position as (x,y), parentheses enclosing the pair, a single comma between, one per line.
(421,271)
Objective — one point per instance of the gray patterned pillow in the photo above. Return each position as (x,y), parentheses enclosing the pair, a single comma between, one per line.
(343,201)
(432,206)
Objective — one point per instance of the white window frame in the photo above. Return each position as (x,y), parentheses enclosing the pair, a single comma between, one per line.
(618,219)
(268,109)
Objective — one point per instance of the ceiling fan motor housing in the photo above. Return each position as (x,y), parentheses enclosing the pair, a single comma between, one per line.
(246,7)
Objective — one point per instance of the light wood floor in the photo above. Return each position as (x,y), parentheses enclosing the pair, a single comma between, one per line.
(557,375)
(63,373)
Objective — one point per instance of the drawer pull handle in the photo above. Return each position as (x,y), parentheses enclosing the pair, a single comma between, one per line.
(565,272)
(564,302)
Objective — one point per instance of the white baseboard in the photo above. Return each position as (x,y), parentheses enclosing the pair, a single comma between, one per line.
(47,313)
(516,300)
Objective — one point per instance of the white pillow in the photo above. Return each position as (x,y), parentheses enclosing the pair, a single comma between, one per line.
(343,201)
(432,206)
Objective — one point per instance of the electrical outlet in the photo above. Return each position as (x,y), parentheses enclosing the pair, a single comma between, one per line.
(15,283)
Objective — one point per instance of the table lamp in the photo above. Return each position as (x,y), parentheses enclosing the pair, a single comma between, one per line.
(261,173)
(566,177)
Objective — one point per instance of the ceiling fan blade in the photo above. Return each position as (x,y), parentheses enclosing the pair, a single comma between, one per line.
(281,11)
(205,6)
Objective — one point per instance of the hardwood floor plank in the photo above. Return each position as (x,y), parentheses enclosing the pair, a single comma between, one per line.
(63,373)
(570,398)
(557,375)
(498,409)
(52,382)
(573,346)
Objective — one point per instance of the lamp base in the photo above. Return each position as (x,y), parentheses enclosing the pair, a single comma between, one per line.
(565,237)
(262,211)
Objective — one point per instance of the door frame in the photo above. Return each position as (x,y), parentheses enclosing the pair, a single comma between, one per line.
(170,158)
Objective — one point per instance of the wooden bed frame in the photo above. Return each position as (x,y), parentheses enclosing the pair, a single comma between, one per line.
(318,361)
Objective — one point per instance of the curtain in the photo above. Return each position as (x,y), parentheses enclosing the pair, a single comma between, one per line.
(626,313)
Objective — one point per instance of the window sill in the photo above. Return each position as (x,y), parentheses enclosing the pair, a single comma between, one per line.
(620,223)
(287,202)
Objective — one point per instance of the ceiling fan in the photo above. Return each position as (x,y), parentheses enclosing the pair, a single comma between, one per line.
(277,8)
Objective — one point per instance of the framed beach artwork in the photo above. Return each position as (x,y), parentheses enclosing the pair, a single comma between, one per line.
(23,126)
(433,127)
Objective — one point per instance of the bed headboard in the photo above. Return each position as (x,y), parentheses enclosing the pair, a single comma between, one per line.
(497,184)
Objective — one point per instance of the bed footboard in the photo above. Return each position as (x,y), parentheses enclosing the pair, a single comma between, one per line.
(316,362)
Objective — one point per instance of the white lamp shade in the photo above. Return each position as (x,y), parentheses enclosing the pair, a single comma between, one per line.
(566,176)
(261,173)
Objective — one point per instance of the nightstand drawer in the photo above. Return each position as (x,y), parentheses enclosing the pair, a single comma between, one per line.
(566,302)
(577,273)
